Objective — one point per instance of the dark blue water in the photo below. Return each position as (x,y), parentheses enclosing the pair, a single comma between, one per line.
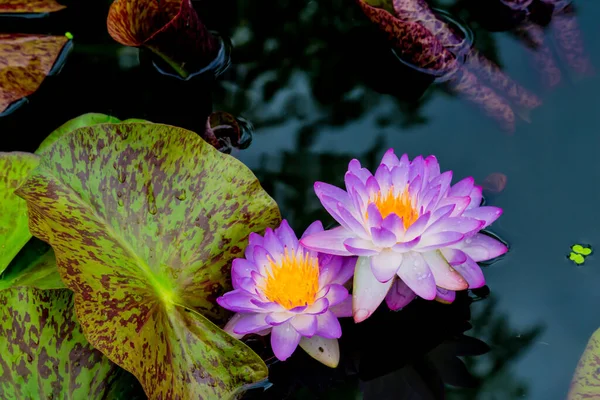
(322,87)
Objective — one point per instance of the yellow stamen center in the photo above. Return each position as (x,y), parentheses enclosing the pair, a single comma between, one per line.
(293,281)
(390,203)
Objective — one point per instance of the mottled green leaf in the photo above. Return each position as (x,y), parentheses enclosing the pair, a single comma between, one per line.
(586,381)
(34,266)
(145,220)
(84,120)
(14,232)
(43,352)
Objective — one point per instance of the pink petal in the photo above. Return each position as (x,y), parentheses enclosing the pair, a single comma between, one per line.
(453,256)
(439,240)
(328,268)
(404,160)
(472,273)
(286,235)
(328,326)
(359,199)
(368,292)
(284,340)
(231,324)
(315,227)
(353,182)
(459,203)
(432,167)
(360,247)
(262,258)
(238,301)
(455,224)
(462,188)
(250,323)
(443,181)
(390,159)
(372,186)
(476,196)
(416,169)
(336,294)
(346,272)
(481,247)
(417,228)
(318,307)
(488,214)
(403,247)
(399,295)
(383,238)
(441,212)
(374,218)
(393,223)
(330,242)
(414,188)
(431,196)
(384,178)
(351,223)
(344,309)
(273,245)
(241,268)
(385,265)
(306,325)
(247,285)
(363,173)
(330,196)
(278,318)
(445,296)
(400,177)
(416,274)
(254,239)
(445,276)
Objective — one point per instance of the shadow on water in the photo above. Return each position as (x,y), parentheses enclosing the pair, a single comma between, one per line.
(320,80)
(426,351)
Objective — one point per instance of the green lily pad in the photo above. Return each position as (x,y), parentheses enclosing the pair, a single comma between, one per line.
(576,258)
(579,249)
(34,266)
(84,120)
(43,352)
(586,380)
(14,232)
(145,220)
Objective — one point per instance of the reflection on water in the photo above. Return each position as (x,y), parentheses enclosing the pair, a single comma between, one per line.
(321,85)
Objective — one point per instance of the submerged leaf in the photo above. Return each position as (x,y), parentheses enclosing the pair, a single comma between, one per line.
(25,60)
(14,230)
(145,220)
(414,43)
(29,6)
(223,132)
(170,28)
(586,381)
(43,353)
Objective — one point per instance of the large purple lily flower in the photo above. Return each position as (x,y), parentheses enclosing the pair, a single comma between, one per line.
(294,293)
(413,232)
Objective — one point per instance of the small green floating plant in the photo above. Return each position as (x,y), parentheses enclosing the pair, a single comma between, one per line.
(155,236)
(579,253)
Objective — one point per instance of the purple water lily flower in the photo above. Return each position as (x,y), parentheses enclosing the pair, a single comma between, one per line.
(294,293)
(406,222)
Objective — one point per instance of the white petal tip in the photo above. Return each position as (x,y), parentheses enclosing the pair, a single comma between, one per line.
(326,351)
(361,315)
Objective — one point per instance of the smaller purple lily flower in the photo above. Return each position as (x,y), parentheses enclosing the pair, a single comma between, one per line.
(294,293)
(414,232)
